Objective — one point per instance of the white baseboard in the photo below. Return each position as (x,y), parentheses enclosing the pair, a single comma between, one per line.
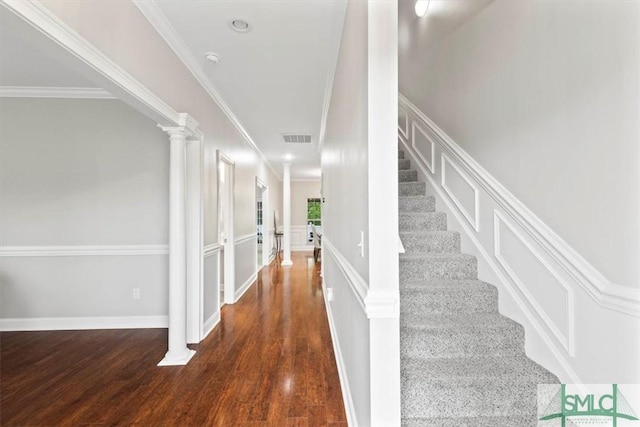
(82,323)
(302,248)
(210,323)
(349,406)
(246,285)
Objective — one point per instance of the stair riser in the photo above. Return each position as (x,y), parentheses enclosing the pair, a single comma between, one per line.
(412,188)
(427,221)
(448,269)
(420,343)
(469,399)
(447,242)
(443,301)
(407,176)
(417,204)
(404,164)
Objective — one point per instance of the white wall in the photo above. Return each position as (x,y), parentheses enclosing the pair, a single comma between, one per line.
(344,167)
(546,97)
(76,174)
(527,130)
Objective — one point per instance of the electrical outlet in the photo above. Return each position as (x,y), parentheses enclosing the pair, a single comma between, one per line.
(136,293)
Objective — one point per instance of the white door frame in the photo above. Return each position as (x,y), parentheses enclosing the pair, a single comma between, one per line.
(229,227)
(266,237)
(194,235)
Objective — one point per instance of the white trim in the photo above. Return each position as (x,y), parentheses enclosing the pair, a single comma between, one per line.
(570,376)
(82,323)
(415,126)
(358,285)
(54,92)
(383,304)
(212,249)
(122,84)
(306,180)
(210,323)
(404,131)
(625,299)
(567,340)
(349,406)
(111,250)
(157,19)
(246,238)
(245,286)
(475,220)
(301,248)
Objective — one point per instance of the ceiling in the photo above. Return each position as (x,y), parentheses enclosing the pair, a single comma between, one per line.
(274,78)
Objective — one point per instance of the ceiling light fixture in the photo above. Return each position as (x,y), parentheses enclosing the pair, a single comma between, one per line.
(212,57)
(239,25)
(421,7)
(288,156)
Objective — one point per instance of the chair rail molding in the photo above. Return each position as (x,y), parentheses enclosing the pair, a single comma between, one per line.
(358,285)
(607,294)
(80,250)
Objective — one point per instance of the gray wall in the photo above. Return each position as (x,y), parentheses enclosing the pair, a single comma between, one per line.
(345,212)
(81,173)
(545,96)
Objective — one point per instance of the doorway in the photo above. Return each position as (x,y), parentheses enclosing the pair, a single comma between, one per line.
(226,235)
(262,224)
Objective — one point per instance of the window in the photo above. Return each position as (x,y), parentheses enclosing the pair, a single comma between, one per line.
(314,217)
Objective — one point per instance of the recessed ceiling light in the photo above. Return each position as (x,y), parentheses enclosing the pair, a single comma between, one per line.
(288,156)
(240,25)
(421,7)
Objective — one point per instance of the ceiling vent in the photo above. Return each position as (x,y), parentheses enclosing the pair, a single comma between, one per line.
(296,138)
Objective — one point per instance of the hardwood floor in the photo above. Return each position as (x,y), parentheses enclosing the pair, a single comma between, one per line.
(269,362)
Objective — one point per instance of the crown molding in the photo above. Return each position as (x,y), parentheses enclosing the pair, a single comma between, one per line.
(54,92)
(158,20)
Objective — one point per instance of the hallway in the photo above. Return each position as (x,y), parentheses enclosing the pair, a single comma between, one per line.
(270,362)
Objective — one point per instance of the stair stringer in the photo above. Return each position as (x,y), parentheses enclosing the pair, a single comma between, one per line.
(540,345)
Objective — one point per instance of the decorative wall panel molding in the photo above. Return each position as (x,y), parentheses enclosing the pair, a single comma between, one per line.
(471,217)
(562,329)
(426,148)
(580,272)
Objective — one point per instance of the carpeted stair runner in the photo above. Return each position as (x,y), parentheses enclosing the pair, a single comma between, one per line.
(463,364)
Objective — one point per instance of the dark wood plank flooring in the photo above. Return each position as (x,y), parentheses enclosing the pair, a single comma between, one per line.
(269,362)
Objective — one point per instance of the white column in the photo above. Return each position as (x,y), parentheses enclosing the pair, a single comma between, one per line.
(286,215)
(178,353)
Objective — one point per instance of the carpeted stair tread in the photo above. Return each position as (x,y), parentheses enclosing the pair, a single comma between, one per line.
(448,297)
(426,266)
(404,164)
(517,368)
(422,221)
(433,241)
(507,421)
(474,321)
(419,203)
(412,188)
(407,176)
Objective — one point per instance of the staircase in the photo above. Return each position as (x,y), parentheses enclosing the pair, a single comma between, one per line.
(463,364)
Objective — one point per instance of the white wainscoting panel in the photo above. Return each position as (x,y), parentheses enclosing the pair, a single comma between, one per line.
(403,122)
(299,238)
(542,286)
(462,191)
(423,145)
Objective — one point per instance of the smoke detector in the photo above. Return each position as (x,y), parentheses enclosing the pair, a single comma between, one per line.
(212,57)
